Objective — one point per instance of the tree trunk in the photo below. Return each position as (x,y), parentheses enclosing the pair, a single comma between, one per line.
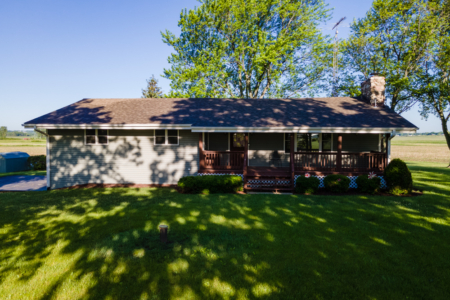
(446,133)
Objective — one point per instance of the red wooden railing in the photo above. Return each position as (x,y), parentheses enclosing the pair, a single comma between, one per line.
(223,160)
(339,162)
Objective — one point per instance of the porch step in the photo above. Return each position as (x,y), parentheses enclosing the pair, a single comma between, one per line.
(268,183)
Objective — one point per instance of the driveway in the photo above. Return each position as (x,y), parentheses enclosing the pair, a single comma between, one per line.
(17,183)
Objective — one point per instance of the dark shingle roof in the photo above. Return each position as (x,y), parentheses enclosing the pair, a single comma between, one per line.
(309,112)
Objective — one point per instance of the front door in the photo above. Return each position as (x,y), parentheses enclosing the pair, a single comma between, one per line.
(237,141)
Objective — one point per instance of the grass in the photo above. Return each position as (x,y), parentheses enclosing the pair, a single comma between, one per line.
(30,146)
(104,244)
(32,173)
(421,148)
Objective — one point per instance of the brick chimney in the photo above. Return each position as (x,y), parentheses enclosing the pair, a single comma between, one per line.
(373,90)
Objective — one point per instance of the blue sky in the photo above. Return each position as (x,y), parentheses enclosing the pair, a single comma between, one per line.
(53,53)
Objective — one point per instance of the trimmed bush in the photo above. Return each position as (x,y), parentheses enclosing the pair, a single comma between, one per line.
(37,162)
(304,185)
(336,183)
(368,185)
(398,177)
(210,184)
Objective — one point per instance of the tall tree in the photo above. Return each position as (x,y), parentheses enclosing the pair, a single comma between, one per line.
(152,90)
(433,88)
(392,40)
(249,49)
(3,132)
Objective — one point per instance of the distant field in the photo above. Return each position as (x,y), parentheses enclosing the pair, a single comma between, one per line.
(32,147)
(421,148)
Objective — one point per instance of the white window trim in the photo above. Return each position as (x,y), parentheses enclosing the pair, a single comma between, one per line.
(166,138)
(320,142)
(96,138)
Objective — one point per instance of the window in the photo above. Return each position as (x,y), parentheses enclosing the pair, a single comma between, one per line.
(166,137)
(308,142)
(287,143)
(239,140)
(96,136)
(326,141)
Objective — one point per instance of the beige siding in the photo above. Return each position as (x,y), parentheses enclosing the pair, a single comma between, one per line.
(267,150)
(130,157)
(353,142)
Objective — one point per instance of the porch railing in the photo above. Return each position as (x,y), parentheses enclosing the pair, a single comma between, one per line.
(223,160)
(337,162)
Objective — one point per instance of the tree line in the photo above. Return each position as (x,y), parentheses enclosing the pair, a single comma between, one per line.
(276,49)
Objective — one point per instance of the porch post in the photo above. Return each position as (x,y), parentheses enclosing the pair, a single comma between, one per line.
(292,167)
(388,150)
(339,153)
(200,150)
(245,157)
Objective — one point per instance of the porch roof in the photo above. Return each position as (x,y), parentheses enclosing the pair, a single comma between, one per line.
(342,112)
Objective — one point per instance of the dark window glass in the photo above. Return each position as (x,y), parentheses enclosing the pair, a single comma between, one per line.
(160,140)
(287,143)
(172,132)
(90,131)
(102,139)
(239,140)
(308,142)
(160,133)
(326,141)
(102,132)
(315,142)
(303,142)
(206,142)
(90,139)
(172,140)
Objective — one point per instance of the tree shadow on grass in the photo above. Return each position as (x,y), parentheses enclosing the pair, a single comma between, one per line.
(104,244)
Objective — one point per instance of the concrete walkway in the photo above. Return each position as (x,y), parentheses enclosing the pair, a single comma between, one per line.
(21,183)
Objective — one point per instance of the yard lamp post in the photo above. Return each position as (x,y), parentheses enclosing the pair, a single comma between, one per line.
(163,233)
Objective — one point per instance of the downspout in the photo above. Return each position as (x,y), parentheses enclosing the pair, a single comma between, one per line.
(47,156)
(389,146)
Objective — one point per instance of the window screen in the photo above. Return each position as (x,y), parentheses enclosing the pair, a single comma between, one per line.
(326,141)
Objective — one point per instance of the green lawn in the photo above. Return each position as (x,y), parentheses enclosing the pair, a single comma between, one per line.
(104,244)
(33,173)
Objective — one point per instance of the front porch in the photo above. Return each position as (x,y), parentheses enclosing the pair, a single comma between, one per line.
(279,164)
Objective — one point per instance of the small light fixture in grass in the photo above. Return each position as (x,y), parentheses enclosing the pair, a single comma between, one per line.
(163,233)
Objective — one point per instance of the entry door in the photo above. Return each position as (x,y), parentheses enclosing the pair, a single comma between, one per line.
(237,142)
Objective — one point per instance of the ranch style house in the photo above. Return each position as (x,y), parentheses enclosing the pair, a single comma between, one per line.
(269,142)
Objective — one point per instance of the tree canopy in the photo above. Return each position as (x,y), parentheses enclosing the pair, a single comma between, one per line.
(393,40)
(152,90)
(249,49)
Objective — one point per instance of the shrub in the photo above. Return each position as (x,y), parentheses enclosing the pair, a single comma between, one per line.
(398,177)
(37,162)
(368,185)
(336,183)
(210,184)
(304,185)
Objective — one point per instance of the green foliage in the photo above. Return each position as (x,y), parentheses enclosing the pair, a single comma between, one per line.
(398,177)
(210,184)
(249,49)
(152,90)
(393,39)
(433,88)
(37,162)
(336,183)
(305,185)
(3,132)
(368,185)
